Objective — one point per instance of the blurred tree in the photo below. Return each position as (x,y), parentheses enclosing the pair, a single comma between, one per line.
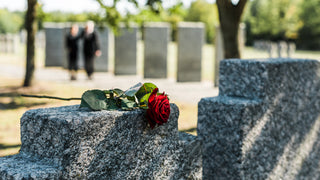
(274,19)
(173,15)
(31,27)
(309,34)
(10,22)
(230,12)
(59,16)
(201,10)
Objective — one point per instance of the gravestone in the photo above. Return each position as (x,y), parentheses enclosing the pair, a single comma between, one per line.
(156,39)
(219,54)
(55,44)
(265,123)
(9,43)
(2,43)
(101,63)
(40,40)
(291,49)
(282,48)
(75,143)
(272,49)
(190,41)
(125,62)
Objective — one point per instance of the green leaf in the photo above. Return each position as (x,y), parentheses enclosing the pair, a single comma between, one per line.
(94,99)
(143,107)
(144,92)
(133,90)
(110,91)
(126,104)
(111,104)
(144,99)
(131,98)
(118,92)
(84,104)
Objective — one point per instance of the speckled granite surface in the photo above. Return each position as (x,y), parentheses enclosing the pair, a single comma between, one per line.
(69,143)
(265,122)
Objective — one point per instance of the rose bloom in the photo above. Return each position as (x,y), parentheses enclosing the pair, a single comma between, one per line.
(158,109)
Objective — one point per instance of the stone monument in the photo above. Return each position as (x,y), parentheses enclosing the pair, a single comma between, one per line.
(55,44)
(265,122)
(190,41)
(156,40)
(76,143)
(125,62)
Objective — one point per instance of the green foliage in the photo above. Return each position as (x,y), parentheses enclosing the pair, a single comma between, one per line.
(144,93)
(174,15)
(95,99)
(59,16)
(309,34)
(114,99)
(10,22)
(152,12)
(201,10)
(274,19)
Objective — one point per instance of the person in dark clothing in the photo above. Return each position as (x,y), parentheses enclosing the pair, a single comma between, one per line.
(90,48)
(72,46)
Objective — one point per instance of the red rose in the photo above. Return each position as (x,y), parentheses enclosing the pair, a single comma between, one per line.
(158,108)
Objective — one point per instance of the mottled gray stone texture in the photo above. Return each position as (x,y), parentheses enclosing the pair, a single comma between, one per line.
(265,122)
(75,143)
(125,62)
(55,44)
(156,40)
(190,41)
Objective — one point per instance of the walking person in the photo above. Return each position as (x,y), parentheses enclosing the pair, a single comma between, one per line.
(90,48)
(72,46)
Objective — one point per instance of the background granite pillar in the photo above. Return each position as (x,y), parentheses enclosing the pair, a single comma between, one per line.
(219,55)
(156,40)
(125,62)
(55,44)
(101,63)
(191,37)
(265,123)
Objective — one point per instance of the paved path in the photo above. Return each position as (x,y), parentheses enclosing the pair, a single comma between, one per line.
(179,92)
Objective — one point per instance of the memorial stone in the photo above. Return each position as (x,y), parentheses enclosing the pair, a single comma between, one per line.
(76,143)
(156,40)
(272,49)
(282,48)
(190,41)
(291,49)
(55,44)
(101,63)
(219,54)
(265,122)
(126,51)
